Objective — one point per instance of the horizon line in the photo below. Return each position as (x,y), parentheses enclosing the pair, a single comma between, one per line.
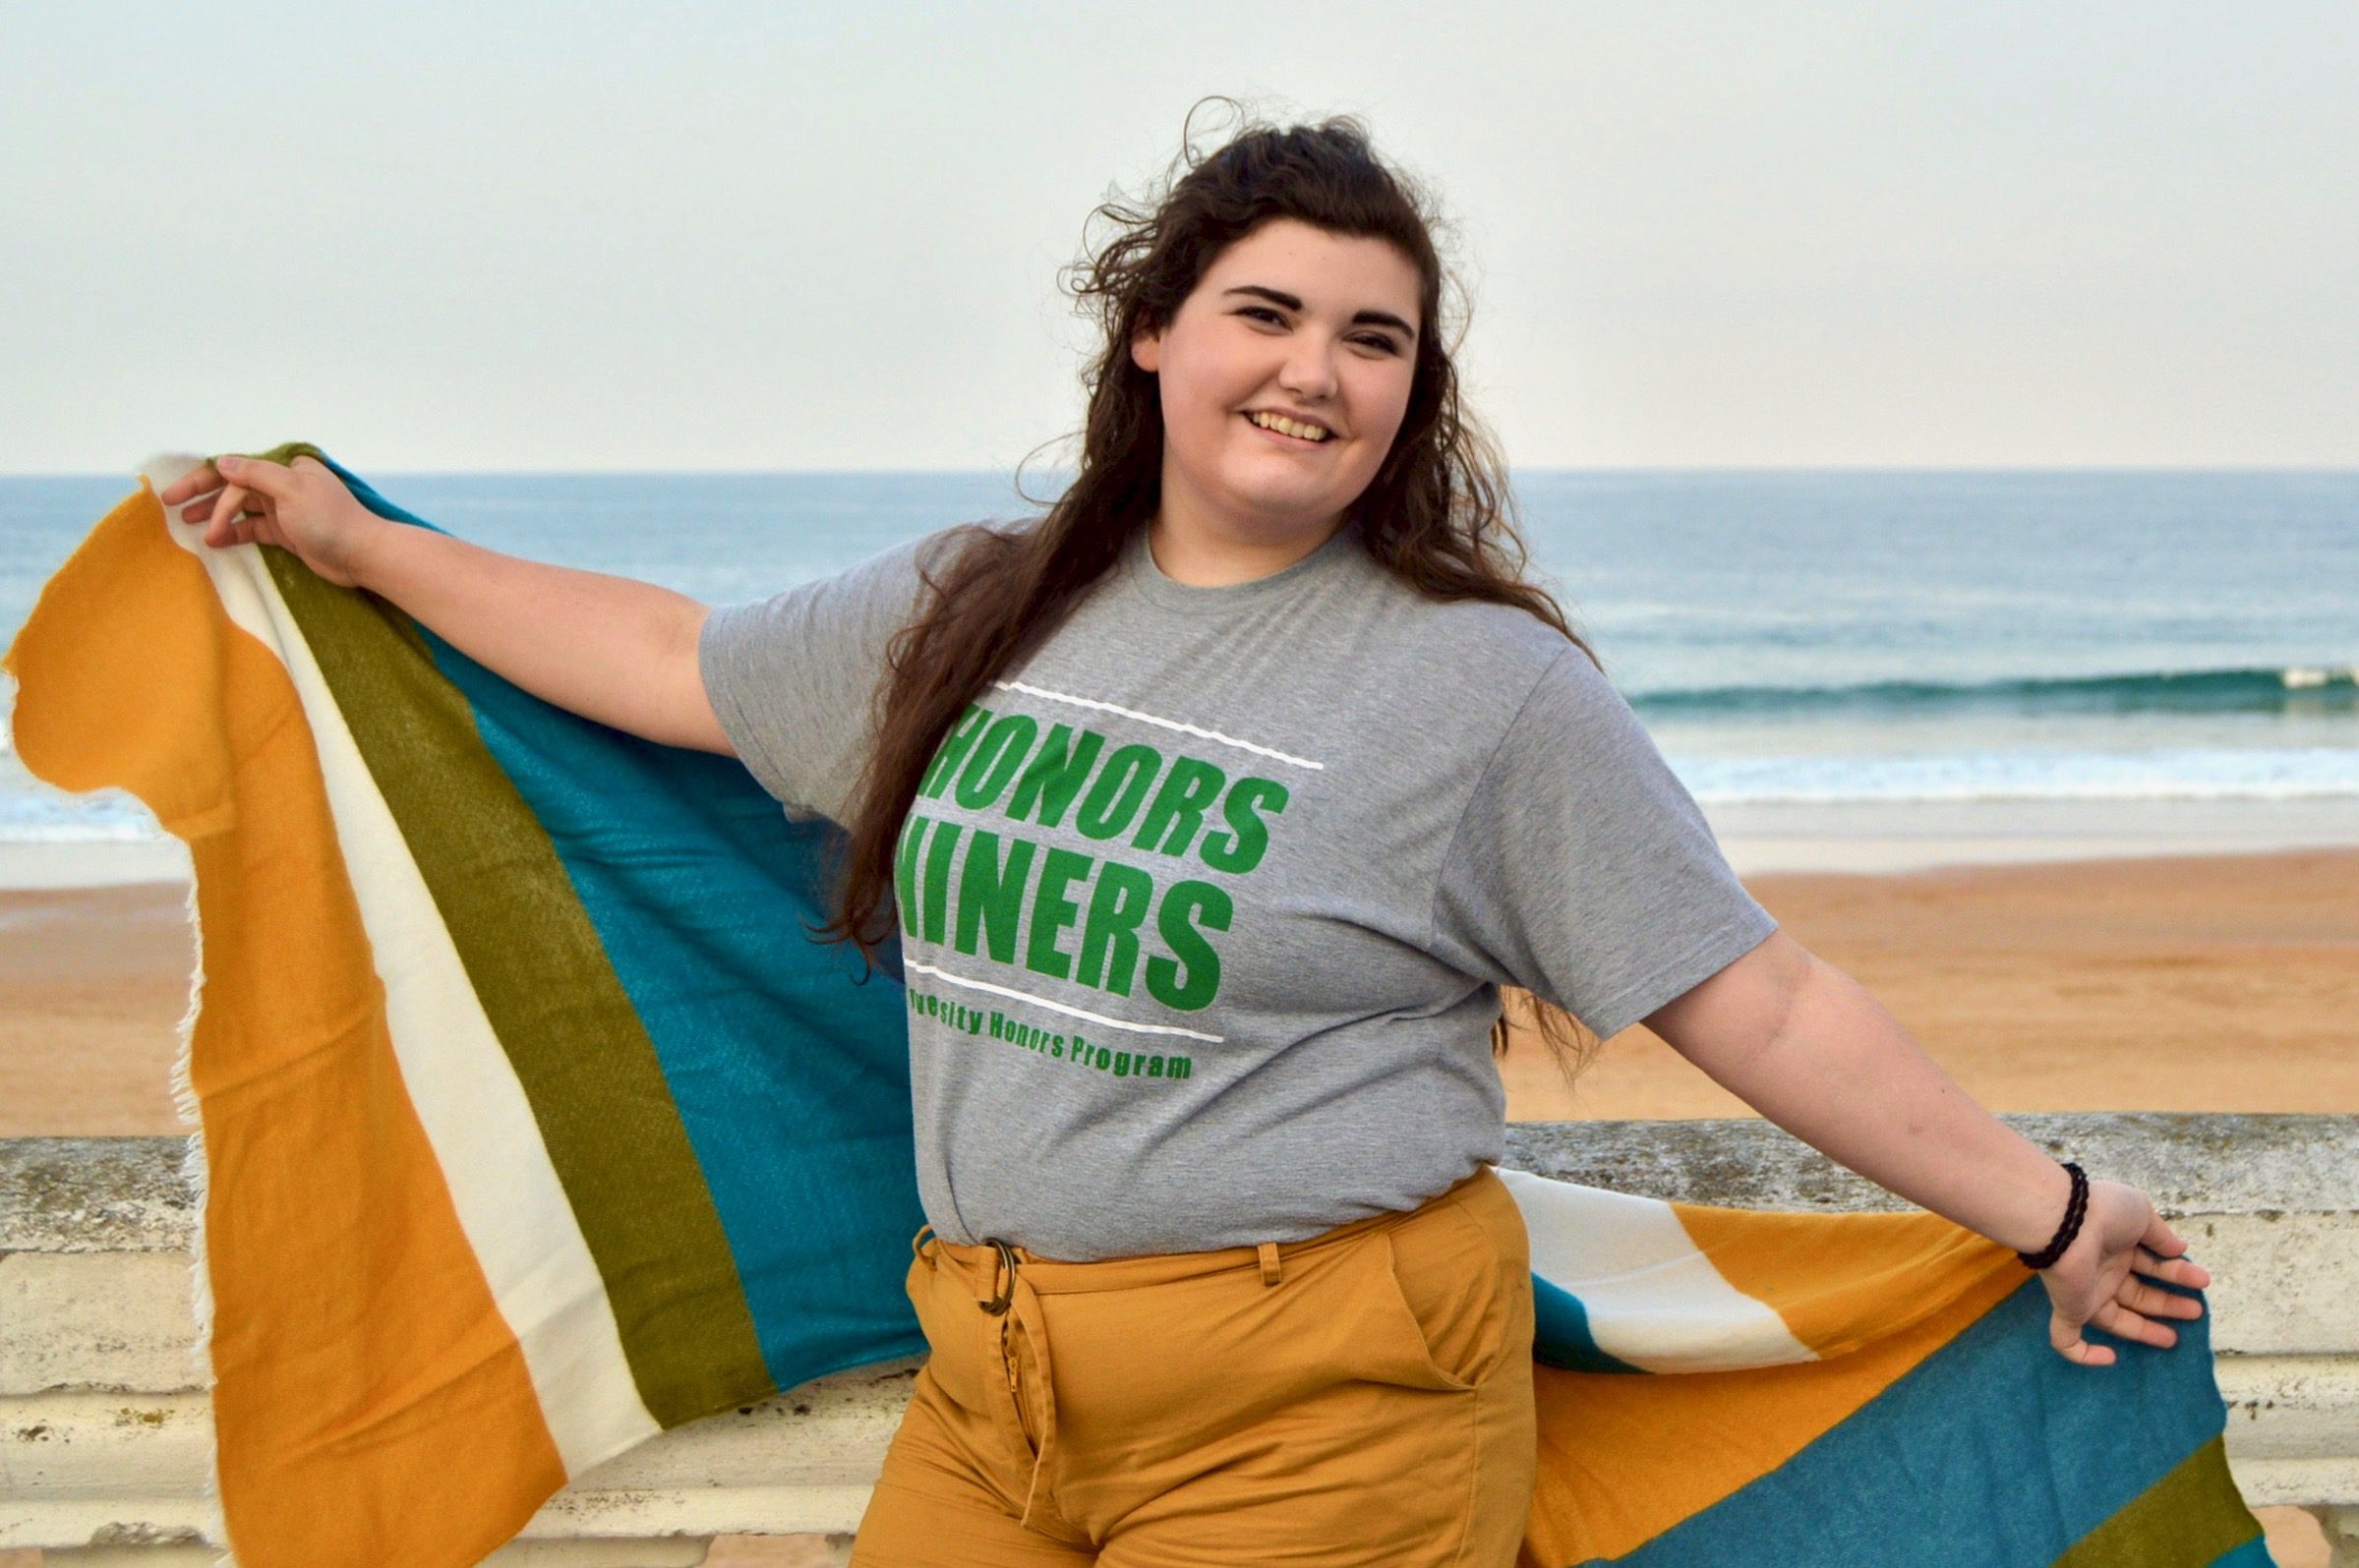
(2325,469)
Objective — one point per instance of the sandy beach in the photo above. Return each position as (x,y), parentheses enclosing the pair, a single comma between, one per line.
(2191,982)
(2164,983)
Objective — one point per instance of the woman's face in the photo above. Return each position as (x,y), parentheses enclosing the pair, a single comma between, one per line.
(1294,320)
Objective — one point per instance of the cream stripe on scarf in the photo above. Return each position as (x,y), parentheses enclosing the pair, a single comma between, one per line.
(1653,1299)
(466,1095)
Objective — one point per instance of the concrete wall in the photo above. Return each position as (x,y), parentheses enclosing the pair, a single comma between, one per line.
(102,1431)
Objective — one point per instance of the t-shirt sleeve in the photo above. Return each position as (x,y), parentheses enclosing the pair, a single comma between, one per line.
(1582,870)
(792,677)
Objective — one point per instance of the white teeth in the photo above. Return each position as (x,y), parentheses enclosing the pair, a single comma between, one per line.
(1284,426)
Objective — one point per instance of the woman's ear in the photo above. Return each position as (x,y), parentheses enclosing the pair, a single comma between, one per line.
(1146,351)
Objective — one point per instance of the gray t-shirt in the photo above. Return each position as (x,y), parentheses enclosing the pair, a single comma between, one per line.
(1204,905)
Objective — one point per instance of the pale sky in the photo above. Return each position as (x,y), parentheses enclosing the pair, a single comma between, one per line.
(784,236)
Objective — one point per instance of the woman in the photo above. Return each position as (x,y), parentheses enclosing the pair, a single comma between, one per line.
(1215,808)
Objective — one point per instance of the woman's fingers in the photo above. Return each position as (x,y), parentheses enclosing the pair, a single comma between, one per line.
(2069,1344)
(2189,1306)
(221,529)
(196,482)
(2166,1244)
(2119,1321)
(274,480)
(241,481)
(2124,1318)
(2114,1320)
(198,511)
(2156,1302)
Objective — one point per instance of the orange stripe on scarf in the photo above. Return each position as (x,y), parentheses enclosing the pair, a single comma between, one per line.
(1830,1276)
(308,1128)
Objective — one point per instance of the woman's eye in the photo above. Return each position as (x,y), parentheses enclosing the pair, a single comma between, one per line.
(1265,313)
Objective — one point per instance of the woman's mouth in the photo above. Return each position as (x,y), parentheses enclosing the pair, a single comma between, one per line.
(1284,439)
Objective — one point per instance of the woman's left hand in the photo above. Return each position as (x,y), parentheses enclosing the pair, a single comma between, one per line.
(2096,1280)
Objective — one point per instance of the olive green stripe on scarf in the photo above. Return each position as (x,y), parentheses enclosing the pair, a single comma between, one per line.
(576,1043)
(2193,1513)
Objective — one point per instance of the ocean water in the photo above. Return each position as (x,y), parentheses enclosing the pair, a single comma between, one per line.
(1789,638)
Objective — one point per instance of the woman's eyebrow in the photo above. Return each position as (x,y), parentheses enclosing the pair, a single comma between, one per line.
(1372,318)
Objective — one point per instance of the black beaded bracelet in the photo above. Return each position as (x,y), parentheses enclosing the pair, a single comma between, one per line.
(2074,1208)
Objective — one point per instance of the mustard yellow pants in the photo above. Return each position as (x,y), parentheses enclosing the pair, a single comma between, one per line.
(1361,1397)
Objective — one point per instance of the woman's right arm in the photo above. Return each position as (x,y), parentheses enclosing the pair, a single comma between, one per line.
(613,649)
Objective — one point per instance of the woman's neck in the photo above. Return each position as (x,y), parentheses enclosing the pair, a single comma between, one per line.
(1201,556)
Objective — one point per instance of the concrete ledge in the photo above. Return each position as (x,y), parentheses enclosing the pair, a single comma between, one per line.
(103,1432)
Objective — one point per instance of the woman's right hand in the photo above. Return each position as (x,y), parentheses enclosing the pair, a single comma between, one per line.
(304,508)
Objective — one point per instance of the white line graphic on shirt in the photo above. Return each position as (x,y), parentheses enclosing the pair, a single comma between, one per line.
(1151,719)
(1057,1006)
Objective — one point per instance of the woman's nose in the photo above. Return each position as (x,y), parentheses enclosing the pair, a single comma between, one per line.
(1310,369)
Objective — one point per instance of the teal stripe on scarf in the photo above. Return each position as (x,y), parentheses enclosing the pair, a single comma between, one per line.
(1975,1493)
(787,1071)
(1561,1336)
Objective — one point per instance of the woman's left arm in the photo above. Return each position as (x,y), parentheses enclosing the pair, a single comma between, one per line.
(1806,1046)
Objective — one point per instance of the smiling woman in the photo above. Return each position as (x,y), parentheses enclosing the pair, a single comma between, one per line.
(1280,509)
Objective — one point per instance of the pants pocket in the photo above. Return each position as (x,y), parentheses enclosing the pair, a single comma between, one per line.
(1447,1278)
(953,1336)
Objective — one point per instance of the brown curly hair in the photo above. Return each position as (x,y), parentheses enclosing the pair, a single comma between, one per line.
(1439,515)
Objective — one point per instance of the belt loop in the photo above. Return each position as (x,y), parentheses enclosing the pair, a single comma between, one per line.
(1270,1274)
(917,1243)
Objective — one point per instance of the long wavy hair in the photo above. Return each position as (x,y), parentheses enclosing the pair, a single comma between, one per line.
(1439,515)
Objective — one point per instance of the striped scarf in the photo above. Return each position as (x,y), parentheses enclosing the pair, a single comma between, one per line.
(530,1122)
